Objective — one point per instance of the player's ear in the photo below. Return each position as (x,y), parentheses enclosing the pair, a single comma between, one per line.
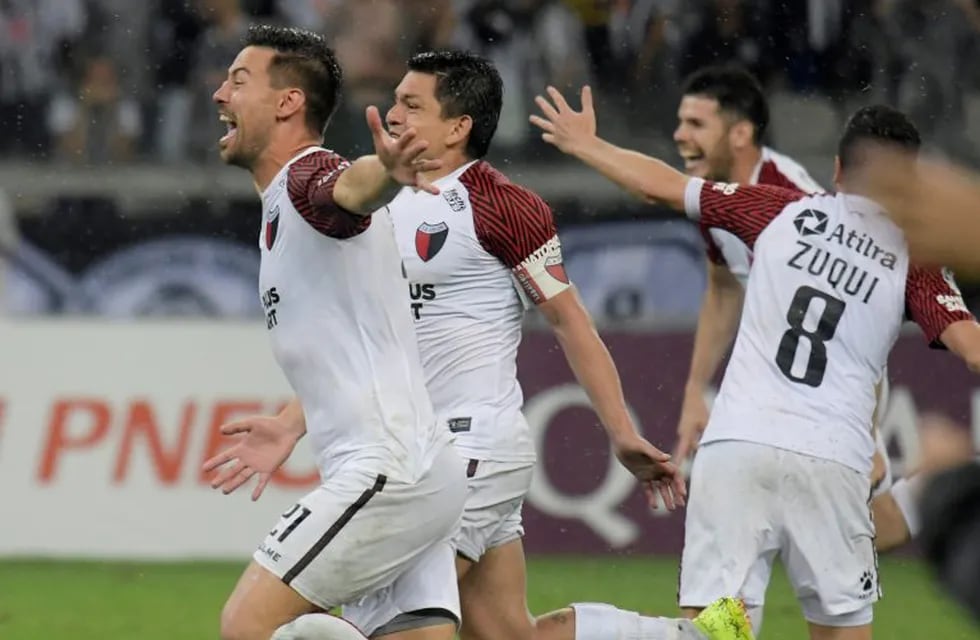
(290,101)
(741,134)
(460,130)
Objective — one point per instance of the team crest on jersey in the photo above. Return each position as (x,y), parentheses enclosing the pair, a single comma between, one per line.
(271,227)
(810,222)
(454,200)
(429,239)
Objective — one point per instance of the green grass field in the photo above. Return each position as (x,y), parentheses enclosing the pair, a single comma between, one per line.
(41,600)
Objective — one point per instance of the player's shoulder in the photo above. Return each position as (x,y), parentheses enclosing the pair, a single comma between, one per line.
(781,170)
(305,165)
(492,194)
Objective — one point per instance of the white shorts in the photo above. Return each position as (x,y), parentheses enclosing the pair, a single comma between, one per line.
(494,498)
(749,503)
(377,546)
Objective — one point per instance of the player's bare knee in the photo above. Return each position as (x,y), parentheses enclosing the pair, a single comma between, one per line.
(556,625)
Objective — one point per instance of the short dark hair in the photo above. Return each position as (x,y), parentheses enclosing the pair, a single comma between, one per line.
(303,60)
(466,84)
(878,123)
(737,91)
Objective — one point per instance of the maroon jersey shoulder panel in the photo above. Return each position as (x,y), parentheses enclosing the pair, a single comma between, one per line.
(310,184)
(511,222)
(743,210)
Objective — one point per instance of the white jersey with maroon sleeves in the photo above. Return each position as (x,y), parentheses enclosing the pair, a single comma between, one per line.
(333,293)
(775,169)
(831,284)
(476,255)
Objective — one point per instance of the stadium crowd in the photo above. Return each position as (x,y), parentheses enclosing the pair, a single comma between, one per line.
(96,81)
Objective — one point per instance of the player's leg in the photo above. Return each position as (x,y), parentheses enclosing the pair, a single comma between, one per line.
(896,513)
(598,621)
(259,604)
(493,596)
(730,540)
(490,555)
(829,551)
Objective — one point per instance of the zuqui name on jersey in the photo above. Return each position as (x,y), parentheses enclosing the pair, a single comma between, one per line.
(856,281)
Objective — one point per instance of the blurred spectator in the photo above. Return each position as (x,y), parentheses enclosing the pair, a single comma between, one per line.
(217,48)
(936,45)
(533,43)
(174,35)
(729,31)
(373,39)
(34,38)
(96,123)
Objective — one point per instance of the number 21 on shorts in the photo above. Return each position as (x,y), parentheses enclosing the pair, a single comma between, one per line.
(289,520)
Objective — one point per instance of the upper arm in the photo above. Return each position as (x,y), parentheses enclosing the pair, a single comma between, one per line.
(743,210)
(518,228)
(933,302)
(311,182)
(720,277)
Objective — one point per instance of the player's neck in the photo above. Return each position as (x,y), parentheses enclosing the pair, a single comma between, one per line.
(275,157)
(451,161)
(744,165)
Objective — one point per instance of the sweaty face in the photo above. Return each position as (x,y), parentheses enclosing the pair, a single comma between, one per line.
(702,138)
(247,105)
(416,106)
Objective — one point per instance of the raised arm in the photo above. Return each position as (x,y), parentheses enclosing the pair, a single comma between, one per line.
(574,133)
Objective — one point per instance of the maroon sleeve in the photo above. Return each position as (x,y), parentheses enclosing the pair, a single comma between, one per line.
(511,222)
(711,247)
(743,210)
(933,301)
(310,184)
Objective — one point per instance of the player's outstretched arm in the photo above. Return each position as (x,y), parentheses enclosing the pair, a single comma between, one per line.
(721,308)
(963,339)
(595,371)
(574,133)
(372,181)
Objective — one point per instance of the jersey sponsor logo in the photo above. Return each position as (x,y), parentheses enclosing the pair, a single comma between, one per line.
(271,227)
(454,200)
(460,425)
(429,239)
(726,188)
(863,244)
(953,300)
(420,293)
(270,298)
(810,222)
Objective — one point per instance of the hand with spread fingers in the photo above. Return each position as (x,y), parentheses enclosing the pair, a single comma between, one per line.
(562,126)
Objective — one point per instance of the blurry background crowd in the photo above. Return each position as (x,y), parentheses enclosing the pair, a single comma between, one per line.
(108,129)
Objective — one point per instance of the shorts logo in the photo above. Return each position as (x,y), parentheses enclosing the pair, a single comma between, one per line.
(460,425)
(429,239)
(867,583)
(810,222)
(454,200)
(271,227)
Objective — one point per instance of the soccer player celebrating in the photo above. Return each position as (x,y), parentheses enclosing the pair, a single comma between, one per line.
(477,255)
(784,463)
(722,119)
(375,536)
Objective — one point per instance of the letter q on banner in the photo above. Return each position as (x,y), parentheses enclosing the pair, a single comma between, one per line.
(598,508)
